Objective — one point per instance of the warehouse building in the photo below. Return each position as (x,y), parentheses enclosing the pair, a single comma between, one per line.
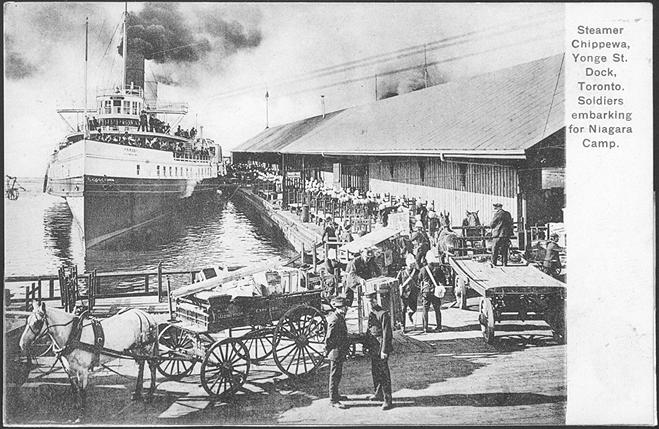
(462,145)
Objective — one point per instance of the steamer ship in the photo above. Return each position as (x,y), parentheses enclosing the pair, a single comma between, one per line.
(118,175)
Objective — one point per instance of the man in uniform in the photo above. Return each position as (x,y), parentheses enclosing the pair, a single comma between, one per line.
(421,244)
(427,279)
(334,267)
(379,340)
(409,292)
(336,348)
(502,230)
(359,270)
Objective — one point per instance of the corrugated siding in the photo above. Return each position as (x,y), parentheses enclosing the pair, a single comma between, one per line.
(455,187)
(496,180)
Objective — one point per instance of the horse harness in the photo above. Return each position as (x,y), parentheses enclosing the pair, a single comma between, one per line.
(74,339)
(97,348)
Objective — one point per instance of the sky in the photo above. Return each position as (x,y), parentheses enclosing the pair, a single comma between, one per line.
(221,57)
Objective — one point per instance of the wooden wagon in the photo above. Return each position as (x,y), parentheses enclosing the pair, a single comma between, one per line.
(518,291)
(290,327)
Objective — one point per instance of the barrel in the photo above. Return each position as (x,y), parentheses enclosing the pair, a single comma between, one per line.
(305,213)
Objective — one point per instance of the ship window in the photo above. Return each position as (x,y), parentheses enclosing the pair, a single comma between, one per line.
(108,107)
(157,170)
(126,108)
(135,111)
(138,169)
(164,170)
(170,171)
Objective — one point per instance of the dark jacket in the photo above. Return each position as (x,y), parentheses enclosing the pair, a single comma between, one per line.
(364,270)
(336,341)
(379,331)
(502,224)
(410,289)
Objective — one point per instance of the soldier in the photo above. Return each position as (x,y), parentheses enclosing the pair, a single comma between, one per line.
(336,348)
(427,282)
(409,290)
(421,244)
(359,270)
(379,340)
(502,230)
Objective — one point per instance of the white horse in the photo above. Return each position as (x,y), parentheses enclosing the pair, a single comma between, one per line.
(131,331)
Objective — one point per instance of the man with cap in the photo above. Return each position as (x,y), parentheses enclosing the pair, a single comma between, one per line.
(433,226)
(336,347)
(421,244)
(329,235)
(359,270)
(334,267)
(379,340)
(409,291)
(552,258)
(427,279)
(502,230)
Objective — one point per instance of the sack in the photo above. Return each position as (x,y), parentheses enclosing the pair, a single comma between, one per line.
(440,291)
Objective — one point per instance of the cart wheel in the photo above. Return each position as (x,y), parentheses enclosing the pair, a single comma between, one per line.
(176,351)
(460,292)
(258,343)
(299,339)
(487,320)
(224,369)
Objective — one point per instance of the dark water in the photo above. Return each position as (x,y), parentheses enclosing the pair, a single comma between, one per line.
(40,236)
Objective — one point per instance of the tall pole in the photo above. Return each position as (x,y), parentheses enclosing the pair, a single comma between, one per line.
(425,66)
(267,96)
(125,50)
(86,118)
(376,87)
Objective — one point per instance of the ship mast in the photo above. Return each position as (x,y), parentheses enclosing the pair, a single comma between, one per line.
(86,117)
(125,51)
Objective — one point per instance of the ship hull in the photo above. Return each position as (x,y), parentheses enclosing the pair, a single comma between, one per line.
(106,206)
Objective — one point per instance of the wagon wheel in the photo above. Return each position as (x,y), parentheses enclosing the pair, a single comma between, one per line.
(460,291)
(258,343)
(486,319)
(176,350)
(224,369)
(299,339)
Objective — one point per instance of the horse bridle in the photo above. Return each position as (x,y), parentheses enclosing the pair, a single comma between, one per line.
(38,326)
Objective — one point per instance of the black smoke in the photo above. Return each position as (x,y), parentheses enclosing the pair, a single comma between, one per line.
(16,65)
(165,34)
(37,33)
(393,83)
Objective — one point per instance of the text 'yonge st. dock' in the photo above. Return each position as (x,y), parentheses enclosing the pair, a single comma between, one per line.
(597,87)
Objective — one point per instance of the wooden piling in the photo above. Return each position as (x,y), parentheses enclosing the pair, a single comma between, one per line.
(169,299)
(314,257)
(159,274)
(51,288)
(146,284)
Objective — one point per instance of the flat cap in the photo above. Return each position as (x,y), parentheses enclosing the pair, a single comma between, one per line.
(497,205)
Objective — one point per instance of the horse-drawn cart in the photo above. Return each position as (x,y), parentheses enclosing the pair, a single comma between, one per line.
(288,326)
(518,291)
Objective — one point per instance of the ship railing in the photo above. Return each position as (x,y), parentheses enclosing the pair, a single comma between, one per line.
(129,90)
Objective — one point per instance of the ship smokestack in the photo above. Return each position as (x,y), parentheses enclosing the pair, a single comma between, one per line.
(135,69)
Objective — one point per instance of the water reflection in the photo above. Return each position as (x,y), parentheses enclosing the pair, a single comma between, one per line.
(57,224)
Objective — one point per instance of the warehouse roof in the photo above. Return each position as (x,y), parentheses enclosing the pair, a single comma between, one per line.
(501,113)
(276,138)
